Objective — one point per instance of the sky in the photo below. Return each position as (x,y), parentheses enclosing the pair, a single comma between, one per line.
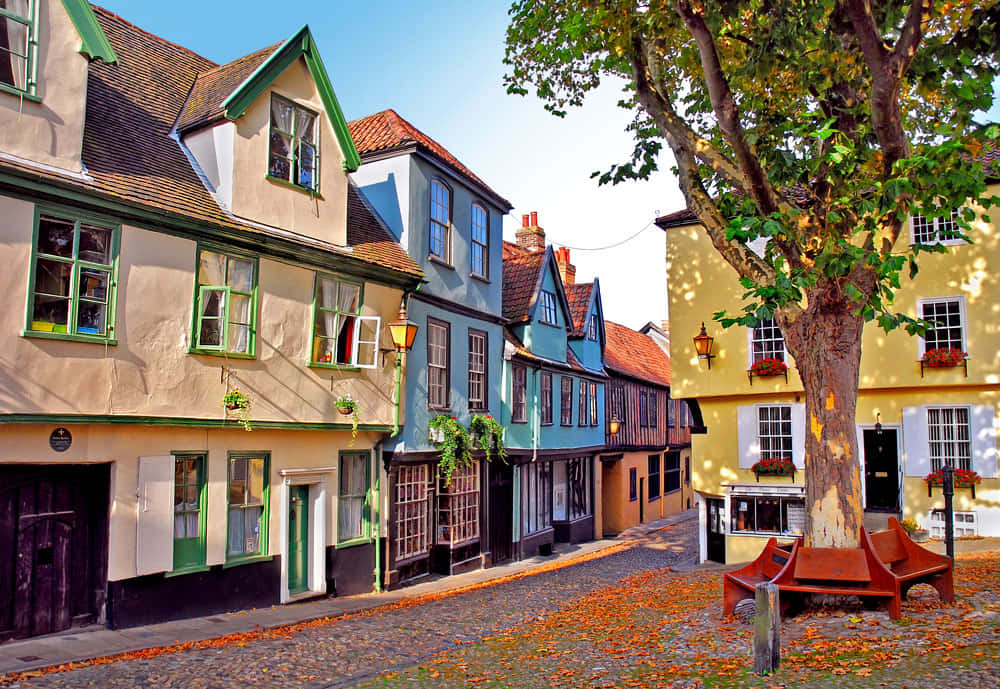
(440,65)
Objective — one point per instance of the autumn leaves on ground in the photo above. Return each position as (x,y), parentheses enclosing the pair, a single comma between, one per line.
(664,629)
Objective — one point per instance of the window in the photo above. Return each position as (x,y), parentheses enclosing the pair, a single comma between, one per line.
(687,470)
(536,491)
(947,317)
(963,524)
(671,472)
(248,498)
(766,341)
(593,404)
(643,410)
(670,413)
(547,300)
(458,516)
(633,494)
(617,392)
(949,437)
(578,476)
(652,401)
(440,232)
(774,432)
(341,335)
(653,474)
(74,270)
(768,514)
(352,507)
(546,395)
(592,328)
(519,412)
(477,370)
(411,511)
(943,230)
(226,310)
(293,153)
(189,511)
(480,241)
(566,401)
(17,45)
(438,356)
(582,412)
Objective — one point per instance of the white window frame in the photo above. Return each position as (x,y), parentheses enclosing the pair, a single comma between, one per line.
(954,441)
(753,491)
(921,343)
(936,224)
(748,433)
(782,355)
(965,524)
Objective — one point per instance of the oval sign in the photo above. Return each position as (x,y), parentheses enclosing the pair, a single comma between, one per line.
(60,439)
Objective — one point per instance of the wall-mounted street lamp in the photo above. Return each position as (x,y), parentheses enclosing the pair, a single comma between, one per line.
(402,331)
(614,426)
(703,345)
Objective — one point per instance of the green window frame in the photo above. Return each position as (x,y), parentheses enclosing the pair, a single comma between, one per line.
(225,304)
(190,497)
(73,277)
(19,47)
(293,144)
(353,503)
(247,512)
(341,336)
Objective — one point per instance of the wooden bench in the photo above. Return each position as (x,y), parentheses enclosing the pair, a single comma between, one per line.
(910,563)
(740,583)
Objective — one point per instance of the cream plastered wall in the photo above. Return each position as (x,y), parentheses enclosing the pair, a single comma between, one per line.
(150,372)
(123,445)
(257,198)
(50,132)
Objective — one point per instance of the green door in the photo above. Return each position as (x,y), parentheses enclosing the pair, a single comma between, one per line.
(298,539)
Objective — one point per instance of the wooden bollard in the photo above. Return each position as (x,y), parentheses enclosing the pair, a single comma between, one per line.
(767,628)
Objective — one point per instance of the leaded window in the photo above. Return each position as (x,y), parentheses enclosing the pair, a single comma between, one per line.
(477,370)
(671,472)
(593,404)
(536,496)
(438,338)
(189,511)
(584,405)
(226,312)
(412,511)
(480,241)
(440,228)
(949,438)
(458,515)
(293,151)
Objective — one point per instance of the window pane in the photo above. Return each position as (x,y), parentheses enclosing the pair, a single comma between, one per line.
(305,125)
(367,342)
(237,480)
(213,309)
(55,236)
(239,309)
(239,339)
(256,484)
(350,518)
(307,164)
(349,299)
(236,543)
(211,268)
(95,244)
(240,275)
(251,529)
(281,114)
(91,318)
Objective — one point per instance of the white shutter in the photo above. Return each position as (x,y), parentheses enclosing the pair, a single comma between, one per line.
(365,353)
(916,451)
(982,427)
(799,435)
(154,538)
(747,436)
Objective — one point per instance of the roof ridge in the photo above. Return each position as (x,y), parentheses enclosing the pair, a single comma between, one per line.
(161,39)
(241,57)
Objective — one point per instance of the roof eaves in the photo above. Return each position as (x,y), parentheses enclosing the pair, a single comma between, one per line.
(94,42)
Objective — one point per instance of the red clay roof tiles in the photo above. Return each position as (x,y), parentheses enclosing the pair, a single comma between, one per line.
(579,303)
(520,278)
(633,354)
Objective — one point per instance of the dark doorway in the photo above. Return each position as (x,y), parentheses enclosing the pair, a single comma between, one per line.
(501,515)
(53,547)
(881,470)
(716,530)
(642,499)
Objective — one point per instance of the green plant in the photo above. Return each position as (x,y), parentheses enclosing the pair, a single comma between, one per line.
(963,478)
(345,405)
(489,434)
(778,466)
(769,367)
(236,401)
(943,357)
(453,442)
(909,525)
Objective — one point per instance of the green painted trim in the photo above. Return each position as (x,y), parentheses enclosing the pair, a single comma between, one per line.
(94,42)
(186,570)
(26,95)
(115,420)
(292,185)
(202,512)
(33,188)
(265,515)
(195,347)
(92,339)
(366,508)
(354,542)
(299,45)
(237,561)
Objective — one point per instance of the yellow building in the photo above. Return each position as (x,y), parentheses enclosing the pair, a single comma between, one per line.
(911,417)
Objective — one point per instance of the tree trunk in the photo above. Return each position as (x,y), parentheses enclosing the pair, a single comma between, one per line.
(825,340)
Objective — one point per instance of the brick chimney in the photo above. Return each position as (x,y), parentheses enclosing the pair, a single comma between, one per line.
(530,236)
(567,271)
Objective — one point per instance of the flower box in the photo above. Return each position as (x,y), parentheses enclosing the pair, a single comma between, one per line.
(943,357)
(776,466)
(963,478)
(767,368)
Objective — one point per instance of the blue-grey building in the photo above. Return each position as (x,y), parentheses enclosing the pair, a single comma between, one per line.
(450,223)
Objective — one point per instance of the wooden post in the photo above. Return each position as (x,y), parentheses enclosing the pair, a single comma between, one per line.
(767,628)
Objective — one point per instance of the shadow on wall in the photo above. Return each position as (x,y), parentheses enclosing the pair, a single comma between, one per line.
(384,197)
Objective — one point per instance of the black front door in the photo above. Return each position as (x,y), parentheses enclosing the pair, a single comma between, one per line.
(881,470)
(716,536)
(501,515)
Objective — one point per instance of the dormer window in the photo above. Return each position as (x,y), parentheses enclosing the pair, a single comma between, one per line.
(592,329)
(16,31)
(293,155)
(547,301)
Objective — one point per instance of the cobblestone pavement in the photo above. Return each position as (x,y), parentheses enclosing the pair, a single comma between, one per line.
(341,653)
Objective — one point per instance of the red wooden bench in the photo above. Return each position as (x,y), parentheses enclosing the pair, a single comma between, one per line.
(738,583)
(910,563)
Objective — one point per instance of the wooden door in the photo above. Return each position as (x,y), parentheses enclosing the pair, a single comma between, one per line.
(881,470)
(716,530)
(501,514)
(298,539)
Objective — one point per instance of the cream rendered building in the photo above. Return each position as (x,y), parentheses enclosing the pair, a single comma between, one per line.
(173,231)
(910,418)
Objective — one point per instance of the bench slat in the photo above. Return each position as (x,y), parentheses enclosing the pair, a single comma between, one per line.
(832,564)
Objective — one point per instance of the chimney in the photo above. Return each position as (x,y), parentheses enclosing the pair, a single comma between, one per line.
(530,236)
(567,271)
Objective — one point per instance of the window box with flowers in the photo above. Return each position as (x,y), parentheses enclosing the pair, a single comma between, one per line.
(767,368)
(963,478)
(774,466)
(944,357)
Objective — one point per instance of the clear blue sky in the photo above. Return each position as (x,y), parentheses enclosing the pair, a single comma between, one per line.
(439,65)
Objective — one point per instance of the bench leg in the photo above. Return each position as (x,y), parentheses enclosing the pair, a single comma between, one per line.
(733,593)
(895,607)
(944,585)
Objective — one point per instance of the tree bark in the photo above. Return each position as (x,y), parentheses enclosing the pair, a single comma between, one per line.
(825,340)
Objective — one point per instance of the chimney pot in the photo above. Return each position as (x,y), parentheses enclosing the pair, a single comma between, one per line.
(525,219)
(534,218)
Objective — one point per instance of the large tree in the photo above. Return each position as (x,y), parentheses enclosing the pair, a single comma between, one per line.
(818,124)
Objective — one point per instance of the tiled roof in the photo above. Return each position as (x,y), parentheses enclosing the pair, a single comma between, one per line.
(513,250)
(386,131)
(213,86)
(579,303)
(520,278)
(130,157)
(572,363)
(634,354)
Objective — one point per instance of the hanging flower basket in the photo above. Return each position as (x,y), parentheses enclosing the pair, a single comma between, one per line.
(236,401)
(776,466)
(345,405)
(452,440)
(943,357)
(769,367)
(488,434)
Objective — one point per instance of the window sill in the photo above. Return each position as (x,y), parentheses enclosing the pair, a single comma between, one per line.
(248,560)
(354,542)
(439,410)
(543,424)
(434,258)
(226,355)
(653,499)
(480,278)
(93,339)
(187,570)
(293,185)
(519,421)
(332,367)
(4,88)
